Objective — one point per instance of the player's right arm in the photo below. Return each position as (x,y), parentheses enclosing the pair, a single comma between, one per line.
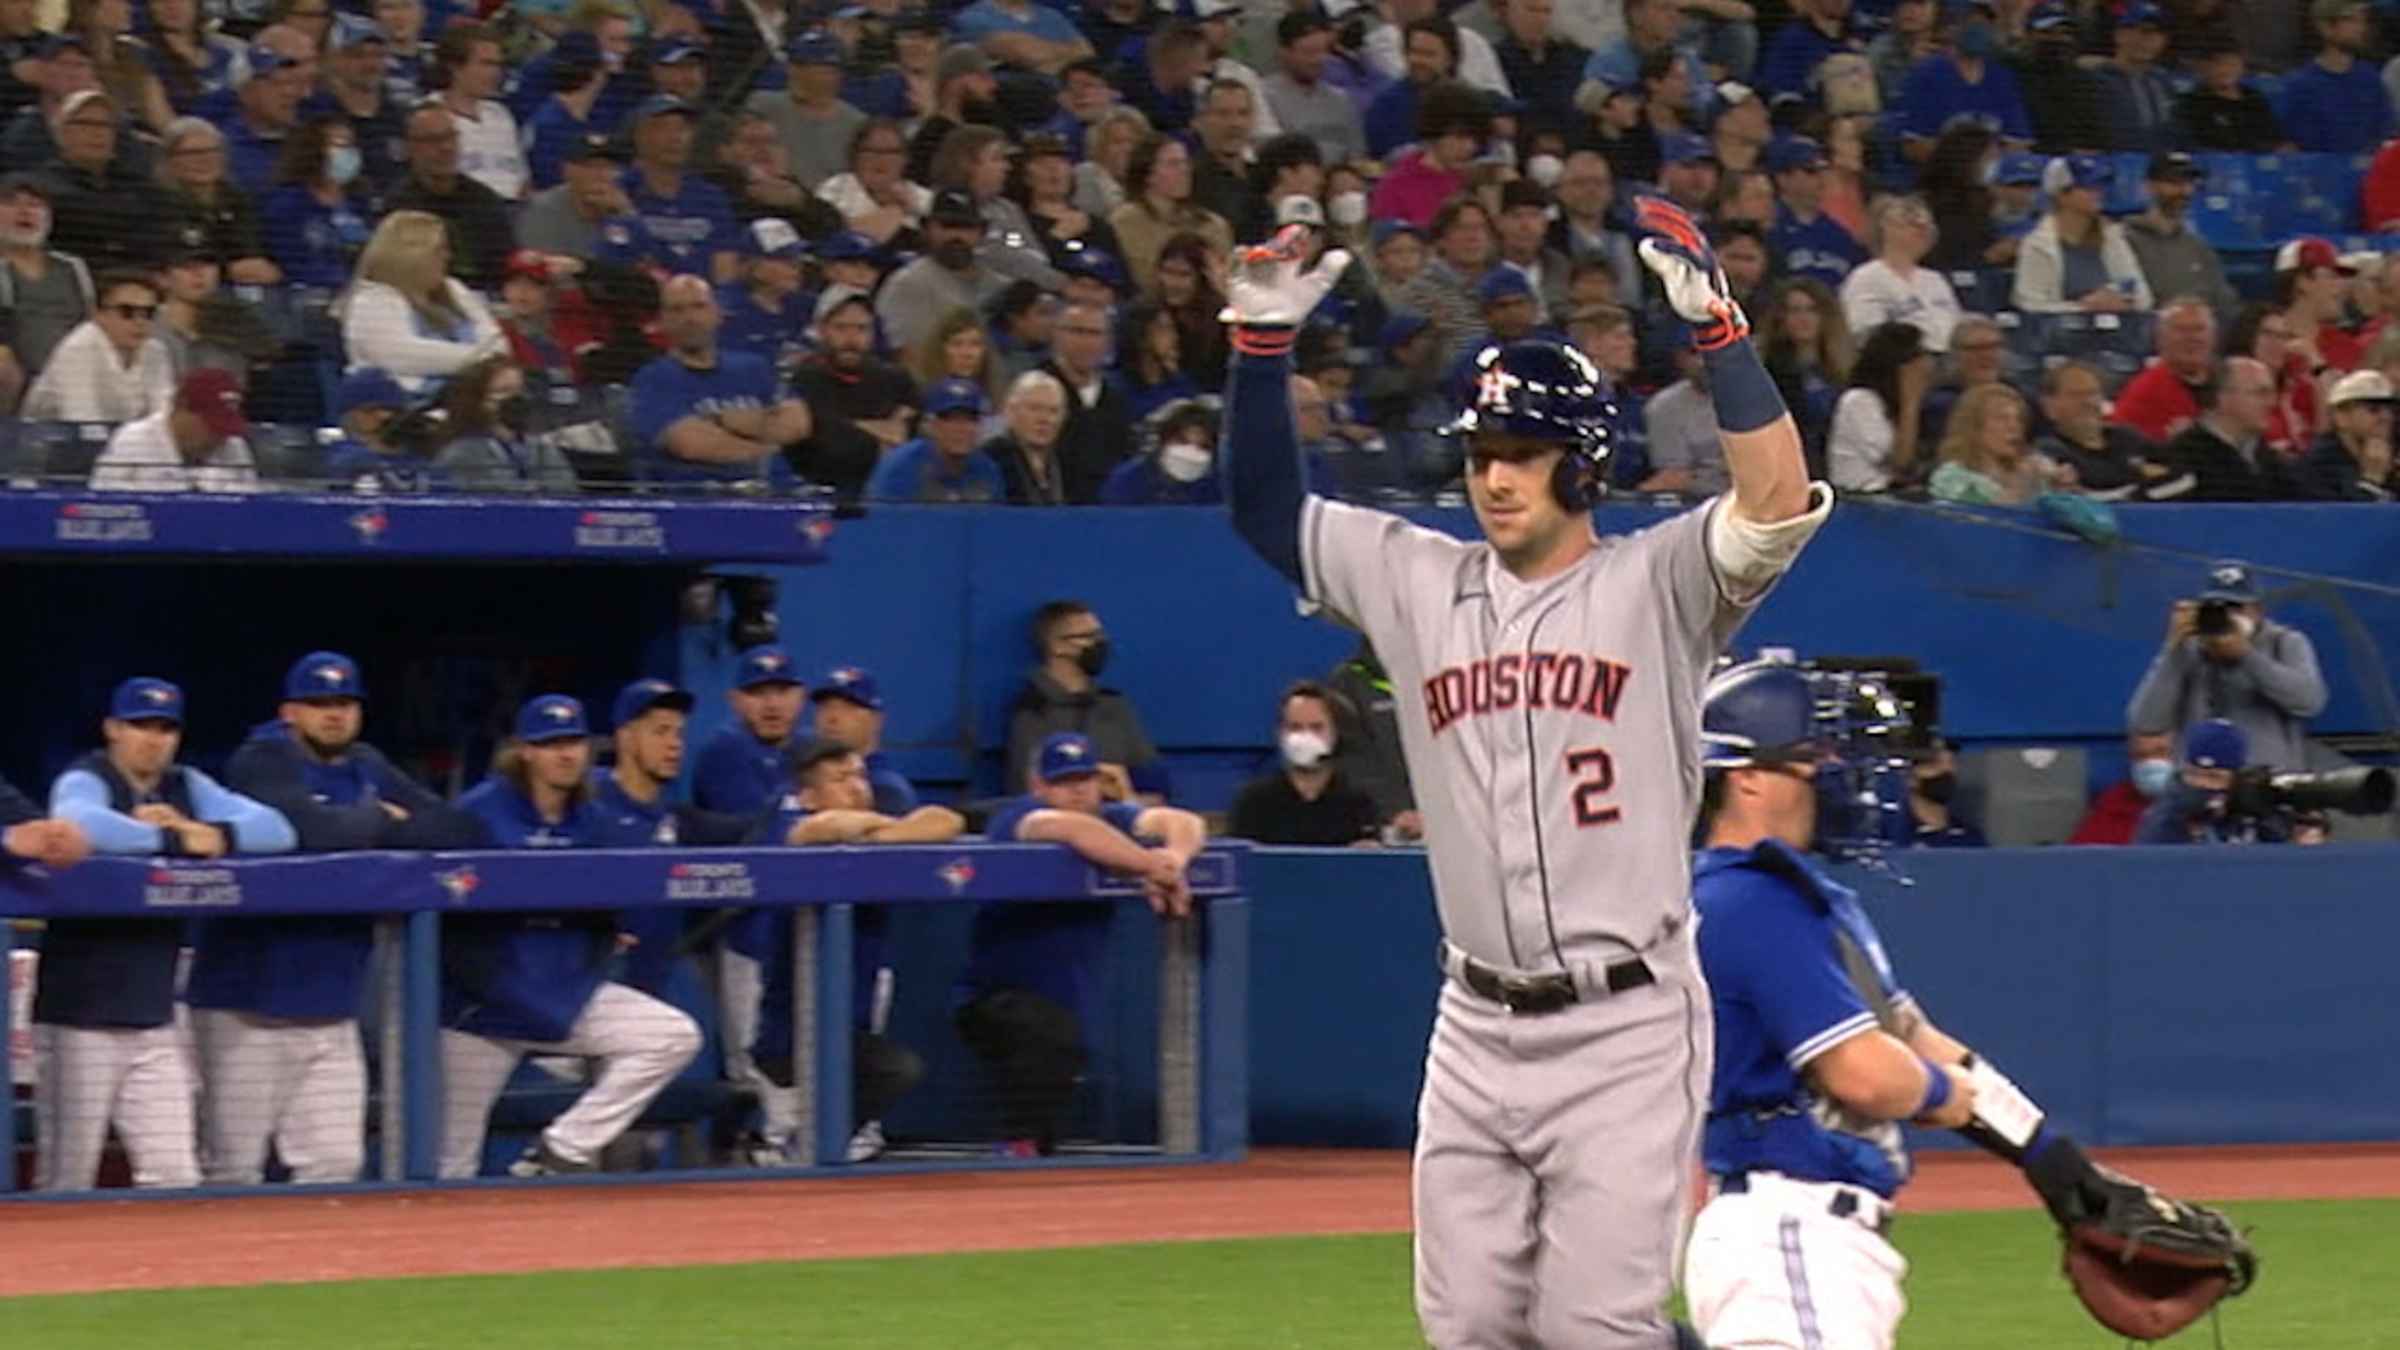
(1094,838)
(81,797)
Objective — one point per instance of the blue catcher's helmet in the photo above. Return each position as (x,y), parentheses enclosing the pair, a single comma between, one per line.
(1758,714)
(1547,391)
(1850,724)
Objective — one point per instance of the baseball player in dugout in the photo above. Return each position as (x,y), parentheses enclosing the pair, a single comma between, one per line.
(1550,721)
(104,998)
(275,1002)
(1821,1053)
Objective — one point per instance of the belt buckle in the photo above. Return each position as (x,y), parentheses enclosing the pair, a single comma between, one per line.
(1538,995)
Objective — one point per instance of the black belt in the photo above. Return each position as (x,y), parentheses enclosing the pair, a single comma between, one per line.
(1534,995)
(1845,1202)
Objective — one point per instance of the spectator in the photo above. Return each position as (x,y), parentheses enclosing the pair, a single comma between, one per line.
(949,276)
(1451,130)
(1366,742)
(44,294)
(681,223)
(702,414)
(356,94)
(2352,461)
(568,220)
(861,406)
(366,404)
(1152,365)
(2137,99)
(1100,178)
(1616,125)
(61,67)
(2194,808)
(1161,78)
(2077,260)
(964,94)
(1085,95)
(1221,177)
(765,315)
(1302,100)
(200,325)
(1745,198)
(1021,33)
(111,367)
(1032,984)
(314,223)
(569,113)
(1807,242)
(1215,21)
(514,983)
(2174,259)
(2065,101)
(403,24)
(406,313)
(1932,790)
(1307,800)
(193,444)
(1586,227)
(2336,103)
(1021,319)
(679,69)
(2292,424)
(1099,419)
(1739,134)
(1063,694)
(202,211)
(1604,334)
(1187,289)
(1063,229)
(481,237)
(1027,450)
(120,61)
(193,60)
(1807,349)
(1524,248)
(1653,32)
(1819,29)
(1180,468)
(2222,113)
(490,150)
(1688,172)
(1158,208)
(2226,449)
(815,125)
(1978,356)
(1742,252)
(1444,287)
(2013,209)
(942,465)
(547,329)
(2310,277)
(1892,287)
(1430,52)
(1543,68)
(873,196)
(486,444)
(2116,813)
(1385,52)
(1962,80)
(276,75)
(2167,395)
(1910,39)
(1687,455)
(1877,422)
(1985,460)
(955,348)
(22,40)
(101,211)
(2111,462)
(973,161)
(748,165)
(275,1002)
(104,1021)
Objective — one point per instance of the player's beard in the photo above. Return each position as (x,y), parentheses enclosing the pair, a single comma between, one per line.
(327,750)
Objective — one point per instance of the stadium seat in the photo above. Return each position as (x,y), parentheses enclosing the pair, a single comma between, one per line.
(64,451)
(2031,794)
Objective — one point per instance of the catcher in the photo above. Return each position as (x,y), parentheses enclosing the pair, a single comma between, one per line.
(1821,1054)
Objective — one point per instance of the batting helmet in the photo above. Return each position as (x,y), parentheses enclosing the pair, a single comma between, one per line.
(1760,713)
(1546,391)
(1848,724)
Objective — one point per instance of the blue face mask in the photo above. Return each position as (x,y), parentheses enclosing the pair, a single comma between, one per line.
(1977,40)
(342,163)
(2151,776)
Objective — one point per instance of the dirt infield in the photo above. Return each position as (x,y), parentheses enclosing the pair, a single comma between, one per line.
(98,1245)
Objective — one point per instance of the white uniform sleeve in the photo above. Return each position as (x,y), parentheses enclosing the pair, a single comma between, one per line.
(1715,568)
(1361,564)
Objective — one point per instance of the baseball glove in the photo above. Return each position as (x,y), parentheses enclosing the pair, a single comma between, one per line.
(2147,1265)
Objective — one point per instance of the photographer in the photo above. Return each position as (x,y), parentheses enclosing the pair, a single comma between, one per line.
(2225,659)
(2198,808)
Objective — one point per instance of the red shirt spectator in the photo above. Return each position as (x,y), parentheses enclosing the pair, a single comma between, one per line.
(2164,399)
(2381,191)
(2116,812)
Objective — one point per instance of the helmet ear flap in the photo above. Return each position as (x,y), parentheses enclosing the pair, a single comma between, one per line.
(1571,482)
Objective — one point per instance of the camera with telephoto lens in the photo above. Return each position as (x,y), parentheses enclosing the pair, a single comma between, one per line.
(2260,792)
(2215,618)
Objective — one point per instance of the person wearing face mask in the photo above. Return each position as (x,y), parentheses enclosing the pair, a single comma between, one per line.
(1306,800)
(1932,796)
(2194,807)
(1063,694)
(1181,471)
(316,223)
(1963,79)
(2116,813)
(488,449)
(2225,659)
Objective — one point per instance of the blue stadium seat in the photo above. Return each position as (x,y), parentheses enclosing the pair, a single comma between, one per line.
(288,452)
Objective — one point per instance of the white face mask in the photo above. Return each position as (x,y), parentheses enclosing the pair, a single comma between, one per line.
(1347,208)
(1183,461)
(1305,749)
(1546,169)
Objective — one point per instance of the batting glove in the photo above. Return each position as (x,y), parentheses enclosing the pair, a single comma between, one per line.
(1696,287)
(1270,292)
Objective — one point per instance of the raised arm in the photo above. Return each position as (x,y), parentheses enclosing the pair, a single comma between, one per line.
(1259,458)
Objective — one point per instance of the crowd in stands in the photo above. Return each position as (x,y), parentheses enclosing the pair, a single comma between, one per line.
(976,254)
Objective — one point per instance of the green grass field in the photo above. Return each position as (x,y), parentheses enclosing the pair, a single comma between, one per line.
(1980,1282)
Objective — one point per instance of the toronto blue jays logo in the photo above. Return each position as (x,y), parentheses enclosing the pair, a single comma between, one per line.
(370,525)
(956,874)
(458,883)
(2229,578)
(559,712)
(818,529)
(848,675)
(158,698)
(330,674)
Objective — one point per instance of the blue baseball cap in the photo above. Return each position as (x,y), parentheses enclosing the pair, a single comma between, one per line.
(765,665)
(2215,744)
(774,237)
(1502,283)
(2017,169)
(846,246)
(2229,579)
(1097,263)
(2141,14)
(323,675)
(955,396)
(368,387)
(146,699)
(673,50)
(1387,230)
(1066,755)
(356,30)
(1399,328)
(2078,171)
(658,105)
(2049,17)
(849,682)
(1685,148)
(816,47)
(644,694)
(1787,153)
(550,717)
(264,60)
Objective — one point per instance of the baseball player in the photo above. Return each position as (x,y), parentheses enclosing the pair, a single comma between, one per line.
(104,996)
(1032,980)
(1820,1051)
(1549,718)
(835,799)
(275,1002)
(514,984)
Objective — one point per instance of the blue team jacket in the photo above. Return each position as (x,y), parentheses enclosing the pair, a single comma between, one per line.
(1052,948)
(524,977)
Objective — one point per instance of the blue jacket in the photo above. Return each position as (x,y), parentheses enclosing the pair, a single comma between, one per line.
(2347,113)
(527,976)
(315,966)
(737,773)
(621,821)
(1052,948)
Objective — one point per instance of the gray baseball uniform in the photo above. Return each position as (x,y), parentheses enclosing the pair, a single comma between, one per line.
(1552,734)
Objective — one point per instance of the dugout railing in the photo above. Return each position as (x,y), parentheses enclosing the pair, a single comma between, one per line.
(1201,978)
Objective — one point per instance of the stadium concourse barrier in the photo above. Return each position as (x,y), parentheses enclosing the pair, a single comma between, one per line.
(1197,978)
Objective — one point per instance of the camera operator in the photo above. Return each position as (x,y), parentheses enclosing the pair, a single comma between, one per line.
(2225,659)
(2199,808)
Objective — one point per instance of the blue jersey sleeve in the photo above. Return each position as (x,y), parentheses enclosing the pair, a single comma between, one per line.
(1004,823)
(79,795)
(1776,954)
(1122,814)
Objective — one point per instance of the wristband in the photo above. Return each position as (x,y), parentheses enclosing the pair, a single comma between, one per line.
(1937,1089)
(1262,341)
(1745,395)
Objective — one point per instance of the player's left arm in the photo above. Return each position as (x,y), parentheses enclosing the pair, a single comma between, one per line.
(2008,1122)
(924,825)
(250,825)
(1176,830)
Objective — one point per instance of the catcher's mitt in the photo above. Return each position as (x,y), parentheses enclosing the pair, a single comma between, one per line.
(2147,1265)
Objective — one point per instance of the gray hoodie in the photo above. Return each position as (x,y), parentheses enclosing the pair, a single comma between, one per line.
(2270,694)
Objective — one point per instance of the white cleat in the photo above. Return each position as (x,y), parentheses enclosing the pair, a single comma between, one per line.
(867,1145)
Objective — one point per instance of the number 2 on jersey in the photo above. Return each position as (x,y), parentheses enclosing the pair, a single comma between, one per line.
(1595,773)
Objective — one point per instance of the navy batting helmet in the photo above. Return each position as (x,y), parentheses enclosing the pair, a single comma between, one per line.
(1546,391)
(1759,713)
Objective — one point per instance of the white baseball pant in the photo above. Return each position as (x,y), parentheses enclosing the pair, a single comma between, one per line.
(301,1082)
(741,982)
(641,1044)
(95,1077)
(1773,1268)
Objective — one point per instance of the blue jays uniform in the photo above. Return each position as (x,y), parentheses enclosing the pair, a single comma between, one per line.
(619,820)
(737,773)
(1799,1182)
(771,942)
